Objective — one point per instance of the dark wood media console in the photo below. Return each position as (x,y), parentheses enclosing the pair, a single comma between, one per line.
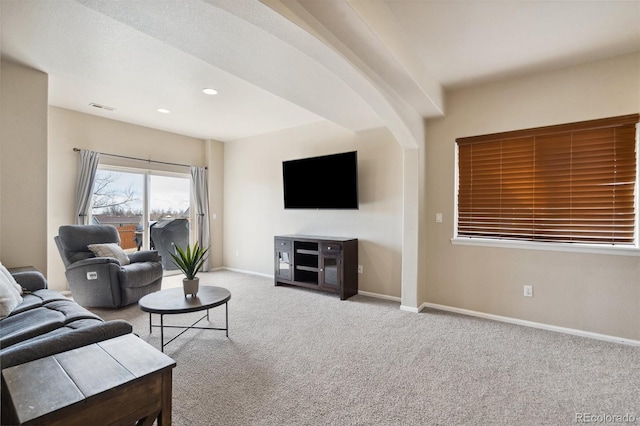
(323,263)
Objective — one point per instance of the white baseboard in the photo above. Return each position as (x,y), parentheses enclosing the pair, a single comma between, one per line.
(565,330)
(244,271)
(379,296)
(364,293)
(542,326)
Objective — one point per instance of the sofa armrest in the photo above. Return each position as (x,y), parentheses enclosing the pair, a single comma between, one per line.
(145,256)
(57,342)
(30,280)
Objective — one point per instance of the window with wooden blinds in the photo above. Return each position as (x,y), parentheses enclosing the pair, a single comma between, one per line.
(572,183)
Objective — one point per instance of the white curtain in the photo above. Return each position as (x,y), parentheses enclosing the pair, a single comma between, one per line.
(199,183)
(87,166)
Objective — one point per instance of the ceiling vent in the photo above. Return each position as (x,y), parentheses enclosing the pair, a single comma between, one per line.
(101,107)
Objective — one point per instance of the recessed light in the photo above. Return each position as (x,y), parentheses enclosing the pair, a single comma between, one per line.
(108,108)
(164,111)
(210,91)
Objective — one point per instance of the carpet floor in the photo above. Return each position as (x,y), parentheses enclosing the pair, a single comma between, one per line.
(302,357)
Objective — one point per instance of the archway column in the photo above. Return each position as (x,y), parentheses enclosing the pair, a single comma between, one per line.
(410,229)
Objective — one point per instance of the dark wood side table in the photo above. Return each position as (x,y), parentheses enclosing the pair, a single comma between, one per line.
(118,381)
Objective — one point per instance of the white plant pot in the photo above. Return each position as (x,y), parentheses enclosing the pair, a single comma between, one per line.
(190,286)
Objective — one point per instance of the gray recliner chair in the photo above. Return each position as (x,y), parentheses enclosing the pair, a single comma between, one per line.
(104,281)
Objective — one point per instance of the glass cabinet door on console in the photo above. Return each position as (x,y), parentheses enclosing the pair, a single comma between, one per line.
(283,260)
(330,261)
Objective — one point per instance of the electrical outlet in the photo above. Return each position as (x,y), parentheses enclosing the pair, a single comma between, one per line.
(360,269)
(438,217)
(528,291)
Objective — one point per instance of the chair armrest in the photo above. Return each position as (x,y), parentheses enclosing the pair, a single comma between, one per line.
(92,261)
(145,256)
(30,280)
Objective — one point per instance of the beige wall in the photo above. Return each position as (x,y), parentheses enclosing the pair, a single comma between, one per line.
(596,293)
(23,166)
(215,160)
(69,129)
(254,211)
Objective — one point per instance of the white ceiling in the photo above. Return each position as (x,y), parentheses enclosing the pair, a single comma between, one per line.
(280,64)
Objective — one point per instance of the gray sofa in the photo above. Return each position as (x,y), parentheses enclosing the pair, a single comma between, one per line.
(47,323)
(105,281)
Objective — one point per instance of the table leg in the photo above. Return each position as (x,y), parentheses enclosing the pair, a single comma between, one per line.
(164,419)
(162,332)
(150,328)
(226,317)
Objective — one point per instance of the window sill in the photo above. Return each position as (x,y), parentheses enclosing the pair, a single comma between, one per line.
(527,245)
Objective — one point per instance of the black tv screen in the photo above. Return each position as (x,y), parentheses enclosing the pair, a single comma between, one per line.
(326,182)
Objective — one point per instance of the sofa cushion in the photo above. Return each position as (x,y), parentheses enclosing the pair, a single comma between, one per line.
(29,301)
(70,310)
(53,313)
(26,325)
(10,292)
(37,299)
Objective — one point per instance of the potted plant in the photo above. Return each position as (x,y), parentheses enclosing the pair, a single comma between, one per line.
(190,261)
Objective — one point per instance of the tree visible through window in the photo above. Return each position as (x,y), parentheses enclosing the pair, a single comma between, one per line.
(573,183)
(117,200)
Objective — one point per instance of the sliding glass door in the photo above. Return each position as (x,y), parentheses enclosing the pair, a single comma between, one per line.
(150,209)
(169,200)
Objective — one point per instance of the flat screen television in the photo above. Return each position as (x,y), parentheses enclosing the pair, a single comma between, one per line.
(325,182)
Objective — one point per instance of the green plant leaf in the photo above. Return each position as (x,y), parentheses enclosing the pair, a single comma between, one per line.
(190,259)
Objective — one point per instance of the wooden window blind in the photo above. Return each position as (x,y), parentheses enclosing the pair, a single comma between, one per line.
(572,183)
